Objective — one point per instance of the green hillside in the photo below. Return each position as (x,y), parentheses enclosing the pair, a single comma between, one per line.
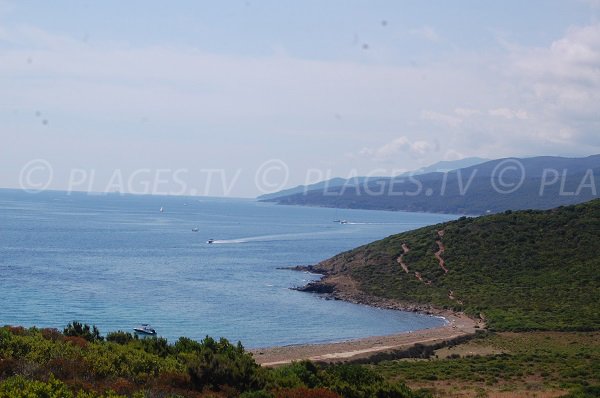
(526,270)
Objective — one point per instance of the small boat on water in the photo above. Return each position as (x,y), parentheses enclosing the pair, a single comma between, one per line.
(162,210)
(144,328)
(195,229)
(210,241)
(343,222)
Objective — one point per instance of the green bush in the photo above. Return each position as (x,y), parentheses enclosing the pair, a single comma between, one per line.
(121,337)
(20,387)
(77,329)
(220,364)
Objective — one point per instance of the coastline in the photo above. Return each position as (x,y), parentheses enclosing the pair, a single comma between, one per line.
(457,325)
(338,287)
(275,202)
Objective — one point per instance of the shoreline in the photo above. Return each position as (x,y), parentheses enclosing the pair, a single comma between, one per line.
(457,325)
(342,288)
(275,202)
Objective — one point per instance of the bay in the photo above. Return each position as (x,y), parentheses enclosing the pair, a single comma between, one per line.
(117,261)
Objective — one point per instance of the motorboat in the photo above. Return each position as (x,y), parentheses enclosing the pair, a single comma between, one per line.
(145,329)
(195,229)
(210,241)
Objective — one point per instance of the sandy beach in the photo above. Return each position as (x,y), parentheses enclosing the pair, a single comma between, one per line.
(457,325)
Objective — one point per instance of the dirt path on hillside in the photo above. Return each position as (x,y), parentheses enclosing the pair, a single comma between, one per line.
(441,250)
(400,261)
(401,258)
(343,287)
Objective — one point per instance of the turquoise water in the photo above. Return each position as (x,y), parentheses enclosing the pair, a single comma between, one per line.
(117,261)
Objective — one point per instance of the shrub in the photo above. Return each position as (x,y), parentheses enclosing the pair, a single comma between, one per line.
(185,344)
(19,386)
(120,337)
(77,329)
(77,341)
(303,392)
(303,373)
(221,363)
(44,363)
(52,334)
(156,345)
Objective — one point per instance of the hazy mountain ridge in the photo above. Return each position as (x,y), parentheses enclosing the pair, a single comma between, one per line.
(541,183)
(442,166)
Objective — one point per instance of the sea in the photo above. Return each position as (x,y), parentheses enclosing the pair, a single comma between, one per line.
(118,261)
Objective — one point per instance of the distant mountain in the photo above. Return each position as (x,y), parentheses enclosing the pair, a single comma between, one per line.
(448,165)
(527,270)
(337,182)
(497,185)
(322,186)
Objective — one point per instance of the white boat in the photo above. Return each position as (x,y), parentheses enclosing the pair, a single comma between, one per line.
(144,328)
(195,229)
(162,210)
(210,241)
(343,222)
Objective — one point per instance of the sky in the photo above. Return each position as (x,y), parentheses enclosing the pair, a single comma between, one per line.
(240,98)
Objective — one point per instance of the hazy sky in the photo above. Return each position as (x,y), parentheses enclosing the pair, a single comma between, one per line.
(105,88)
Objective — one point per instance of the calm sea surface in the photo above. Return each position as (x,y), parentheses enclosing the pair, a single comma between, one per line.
(117,261)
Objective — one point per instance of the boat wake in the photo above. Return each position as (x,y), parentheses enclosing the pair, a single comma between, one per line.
(270,238)
(380,223)
(292,236)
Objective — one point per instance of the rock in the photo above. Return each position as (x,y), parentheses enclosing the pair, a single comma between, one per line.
(317,287)
(305,268)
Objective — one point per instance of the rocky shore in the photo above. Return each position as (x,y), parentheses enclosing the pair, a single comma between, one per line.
(340,287)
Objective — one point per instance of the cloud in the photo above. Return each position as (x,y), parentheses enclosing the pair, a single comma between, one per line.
(398,146)
(515,101)
(508,113)
(550,97)
(561,84)
(452,154)
(449,120)
(426,32)
(592,3)
(466,112)
(177,82)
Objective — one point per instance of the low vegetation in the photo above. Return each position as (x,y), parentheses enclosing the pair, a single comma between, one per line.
(521,363)
(80,363)
(521,271)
